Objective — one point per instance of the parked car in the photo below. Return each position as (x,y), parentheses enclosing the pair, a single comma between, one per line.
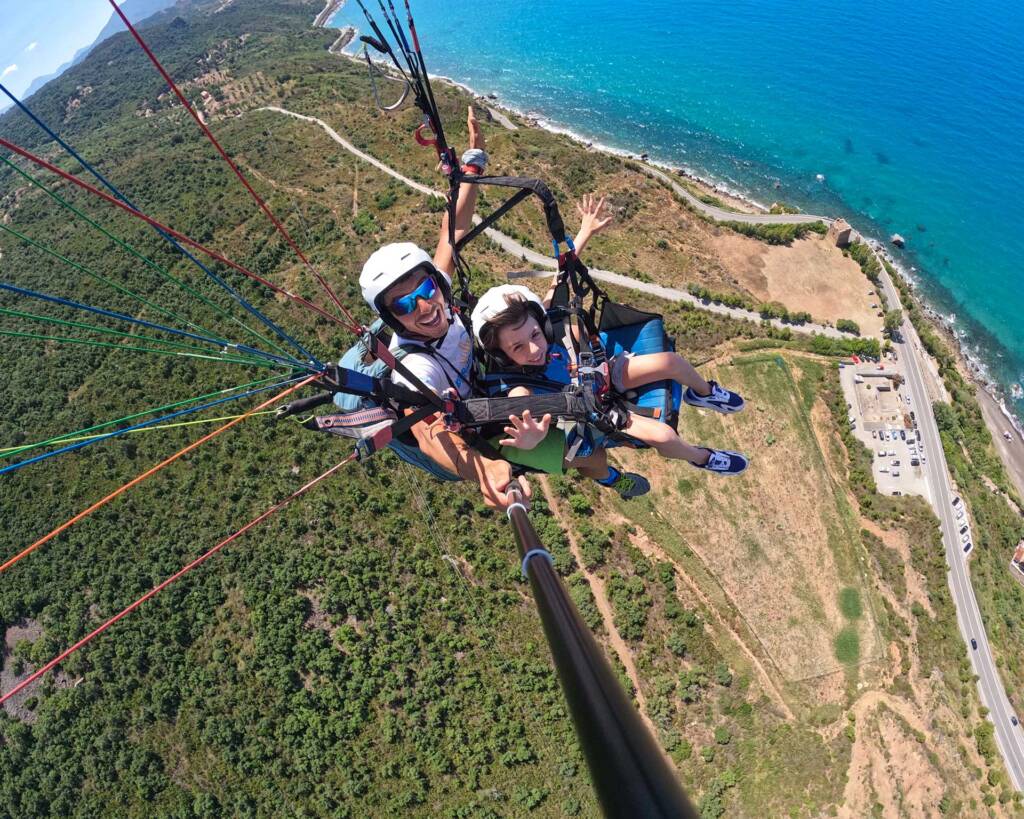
(974,644)
(895,462)
(965,538)
(895,473)
(896,492)
(960,514)
(1013,719)
(963,529)
(874,434)
(956,501)
(967,546)
(903,435)
(884,469)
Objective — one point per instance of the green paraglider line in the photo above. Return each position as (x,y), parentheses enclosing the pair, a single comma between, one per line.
(109,344)
(11,451)
(98,277)
(145,259)
(78,438)
(256,362)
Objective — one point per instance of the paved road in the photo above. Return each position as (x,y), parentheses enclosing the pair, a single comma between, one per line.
(1009,739)
(514,248)
(730,216)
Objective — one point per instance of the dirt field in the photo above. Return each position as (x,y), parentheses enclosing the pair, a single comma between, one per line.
(785,567)
(811,275)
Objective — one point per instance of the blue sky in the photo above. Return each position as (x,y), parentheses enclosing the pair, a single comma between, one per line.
(36,38)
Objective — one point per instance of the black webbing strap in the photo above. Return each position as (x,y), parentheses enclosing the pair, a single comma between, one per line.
(491,218)
(475,412)
(381,351)
(552,216)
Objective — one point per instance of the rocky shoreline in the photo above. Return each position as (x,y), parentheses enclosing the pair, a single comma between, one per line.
(329,10)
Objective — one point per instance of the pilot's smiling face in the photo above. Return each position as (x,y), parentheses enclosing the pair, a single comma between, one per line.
(429,318)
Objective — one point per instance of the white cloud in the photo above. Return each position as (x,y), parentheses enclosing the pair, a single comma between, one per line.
(31,46)
(9,70)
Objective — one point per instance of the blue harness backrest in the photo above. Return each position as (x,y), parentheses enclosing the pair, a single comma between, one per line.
(626,329)
(355,358)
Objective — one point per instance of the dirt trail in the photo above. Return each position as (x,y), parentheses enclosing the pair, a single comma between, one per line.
(652,550)
(601,600)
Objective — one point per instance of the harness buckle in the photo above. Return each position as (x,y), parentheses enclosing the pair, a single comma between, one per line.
(451,422)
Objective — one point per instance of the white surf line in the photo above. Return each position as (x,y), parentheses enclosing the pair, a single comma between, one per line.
(514,248)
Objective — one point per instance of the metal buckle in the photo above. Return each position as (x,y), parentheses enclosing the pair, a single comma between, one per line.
(451,422)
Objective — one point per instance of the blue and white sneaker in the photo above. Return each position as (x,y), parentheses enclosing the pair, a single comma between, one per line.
(720,399)
(627,484)
(724,462)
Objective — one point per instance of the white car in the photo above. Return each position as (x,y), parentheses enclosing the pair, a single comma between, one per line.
(884,469)
(965,538)
(895,473)
(895,463)
(960,514)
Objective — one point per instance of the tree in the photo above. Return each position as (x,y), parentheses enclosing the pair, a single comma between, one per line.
(892,322)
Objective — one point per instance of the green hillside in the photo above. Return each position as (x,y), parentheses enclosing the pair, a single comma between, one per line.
(372,650)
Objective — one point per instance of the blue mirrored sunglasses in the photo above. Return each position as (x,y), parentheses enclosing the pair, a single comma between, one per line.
(406,304)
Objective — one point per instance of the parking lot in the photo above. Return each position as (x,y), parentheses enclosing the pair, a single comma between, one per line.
(882,418)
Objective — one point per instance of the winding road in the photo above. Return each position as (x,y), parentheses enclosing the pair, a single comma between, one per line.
(1009,738)
(548,263)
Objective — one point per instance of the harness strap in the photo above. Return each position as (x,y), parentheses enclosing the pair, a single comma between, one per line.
(475,412)
(510,203)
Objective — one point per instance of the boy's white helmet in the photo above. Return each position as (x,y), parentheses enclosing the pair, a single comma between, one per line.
(390,264)
(496,301)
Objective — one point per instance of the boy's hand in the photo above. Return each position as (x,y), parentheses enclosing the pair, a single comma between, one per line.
(594,215)
(526,432)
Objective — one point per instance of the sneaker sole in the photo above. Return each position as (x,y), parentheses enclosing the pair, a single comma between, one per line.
(716,407)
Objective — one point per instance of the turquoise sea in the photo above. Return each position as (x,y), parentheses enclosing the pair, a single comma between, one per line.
(904,117)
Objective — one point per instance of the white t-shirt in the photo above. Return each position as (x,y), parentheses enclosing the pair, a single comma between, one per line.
(446,368)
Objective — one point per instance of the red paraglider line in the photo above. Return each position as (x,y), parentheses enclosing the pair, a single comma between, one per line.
(161,586)
(42,163)
(241,177)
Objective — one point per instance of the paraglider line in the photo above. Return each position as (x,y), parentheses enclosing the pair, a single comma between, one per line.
(5,143)
(234,167)
(151,471)
(178,574)
(110,186)
(116,432)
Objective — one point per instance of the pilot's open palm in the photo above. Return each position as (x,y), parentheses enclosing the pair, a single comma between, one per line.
(526,432)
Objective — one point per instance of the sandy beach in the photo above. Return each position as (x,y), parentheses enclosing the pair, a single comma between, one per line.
(1010,451)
